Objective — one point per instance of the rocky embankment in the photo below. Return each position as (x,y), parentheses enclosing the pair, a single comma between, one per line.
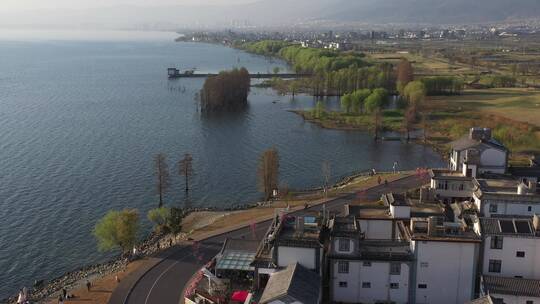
(45,289)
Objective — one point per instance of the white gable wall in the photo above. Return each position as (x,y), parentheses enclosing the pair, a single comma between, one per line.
(528,267)
(376,229)
(492,157)
(447,269)
(304,256)
(377,274)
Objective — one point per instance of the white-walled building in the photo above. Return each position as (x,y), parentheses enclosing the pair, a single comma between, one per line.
(511,247)
(445,255)
(477,153)
(366,271)
(450,185)
(289,240)
(510,290)
(505,196)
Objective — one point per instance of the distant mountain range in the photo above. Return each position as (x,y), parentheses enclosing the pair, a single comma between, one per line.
(286,12)
(433,11)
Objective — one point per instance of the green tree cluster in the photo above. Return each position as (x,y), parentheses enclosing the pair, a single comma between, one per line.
(415,92)
(334,72)
(266,47)
(117,229)
(377,100)
(166,219)
(354,102)
(499,81)
(319,111)
(443,85)
(311,60)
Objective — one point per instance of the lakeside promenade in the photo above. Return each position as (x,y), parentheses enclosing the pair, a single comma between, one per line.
(161,279)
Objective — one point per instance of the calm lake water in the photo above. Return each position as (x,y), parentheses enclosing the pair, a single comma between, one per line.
(80,123)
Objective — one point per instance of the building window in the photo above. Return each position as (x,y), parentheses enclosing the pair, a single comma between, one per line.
(344,245)
(529,302)
(493,208)
(424,264)
(520,254)
(445,185)
(422,286)
(366,284)
(496,242)
(343,284)
(495,266)
(343,267)
(529,208)
(394,285)
(395,268)
(367,264)
(461,187)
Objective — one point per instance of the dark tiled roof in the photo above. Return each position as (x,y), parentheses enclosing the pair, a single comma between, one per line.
(296,282)
(512,286)
(240,245)
(466,142)
(525,171)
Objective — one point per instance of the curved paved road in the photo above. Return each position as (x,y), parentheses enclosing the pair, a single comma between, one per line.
(164,283)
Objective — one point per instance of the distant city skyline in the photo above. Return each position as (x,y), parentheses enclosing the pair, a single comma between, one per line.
(19,5)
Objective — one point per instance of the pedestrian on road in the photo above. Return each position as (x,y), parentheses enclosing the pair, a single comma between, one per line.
(88,285)
(386,183)
(64,293)
(117,279)
(60,299)
(170,242)
(379,180)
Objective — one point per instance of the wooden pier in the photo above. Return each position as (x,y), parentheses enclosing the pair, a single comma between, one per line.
(174,73)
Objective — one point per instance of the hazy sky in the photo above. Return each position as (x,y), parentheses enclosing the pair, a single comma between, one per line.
(16,5)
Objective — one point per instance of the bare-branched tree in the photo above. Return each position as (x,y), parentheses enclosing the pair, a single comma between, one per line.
(162,174)
(185,169)
(268,172)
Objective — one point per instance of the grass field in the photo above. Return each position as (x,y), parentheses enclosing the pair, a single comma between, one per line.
(433,65)
(513,114)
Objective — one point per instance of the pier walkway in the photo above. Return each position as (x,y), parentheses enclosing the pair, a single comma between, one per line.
(253,76)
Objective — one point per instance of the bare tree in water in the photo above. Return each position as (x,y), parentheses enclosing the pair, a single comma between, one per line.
(377,122)
(326,173)
(268,172)
(162,174)
(185,169)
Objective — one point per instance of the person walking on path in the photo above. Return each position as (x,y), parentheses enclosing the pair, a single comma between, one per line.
(64,293)
(60,299)
(88,285)
(379,180)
